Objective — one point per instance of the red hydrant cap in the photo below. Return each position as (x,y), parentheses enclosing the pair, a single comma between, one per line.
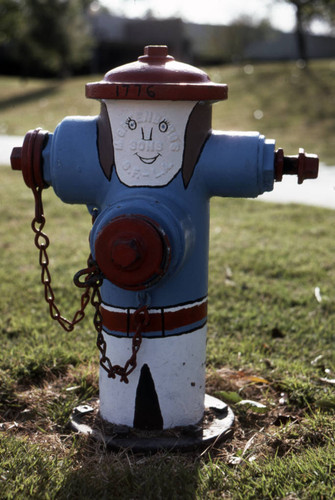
(132,251)
(157,76)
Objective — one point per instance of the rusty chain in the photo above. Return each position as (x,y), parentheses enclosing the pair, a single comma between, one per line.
(141,320)
(93,280)
(92,274)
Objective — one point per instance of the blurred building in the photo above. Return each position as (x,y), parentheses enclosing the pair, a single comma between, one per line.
(119,40)
(113,40)
(283,46)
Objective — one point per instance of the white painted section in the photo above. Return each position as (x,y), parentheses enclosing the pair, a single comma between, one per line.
(177,365)
(148,138)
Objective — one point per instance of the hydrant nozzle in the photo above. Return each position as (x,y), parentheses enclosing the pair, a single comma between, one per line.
(305,166)
(28,158)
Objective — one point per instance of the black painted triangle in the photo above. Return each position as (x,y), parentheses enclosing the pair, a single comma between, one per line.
(147,410)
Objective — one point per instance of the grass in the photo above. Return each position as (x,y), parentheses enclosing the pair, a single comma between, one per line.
(292,105)
(269,341)
(270,337)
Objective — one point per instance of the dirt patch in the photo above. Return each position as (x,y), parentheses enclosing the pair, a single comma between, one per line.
(41,414)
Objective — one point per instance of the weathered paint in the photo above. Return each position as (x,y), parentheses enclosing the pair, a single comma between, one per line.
(148,140)
(177,366)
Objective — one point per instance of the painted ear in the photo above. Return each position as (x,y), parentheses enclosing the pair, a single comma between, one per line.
(105,142)
(198,129)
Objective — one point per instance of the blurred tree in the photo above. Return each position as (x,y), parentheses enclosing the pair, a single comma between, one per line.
(11,27)
(308,11)
(45,37)
(242,32)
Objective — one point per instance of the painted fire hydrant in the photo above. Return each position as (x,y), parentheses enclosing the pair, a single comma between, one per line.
(146,168)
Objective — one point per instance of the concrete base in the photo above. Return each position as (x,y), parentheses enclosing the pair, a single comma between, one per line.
(215,426)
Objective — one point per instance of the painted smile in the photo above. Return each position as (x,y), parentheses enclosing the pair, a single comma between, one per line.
(148,161)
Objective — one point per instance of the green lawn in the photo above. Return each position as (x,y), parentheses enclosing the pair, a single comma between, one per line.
(293,106)
(270,339)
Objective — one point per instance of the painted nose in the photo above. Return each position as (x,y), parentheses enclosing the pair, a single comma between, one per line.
(146,135)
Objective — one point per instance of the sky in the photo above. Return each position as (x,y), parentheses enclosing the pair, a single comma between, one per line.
(280,14)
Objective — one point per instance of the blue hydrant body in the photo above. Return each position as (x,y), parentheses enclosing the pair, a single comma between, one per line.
(146,168)
(239,165)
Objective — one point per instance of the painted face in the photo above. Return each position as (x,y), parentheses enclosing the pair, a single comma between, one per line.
(148,139)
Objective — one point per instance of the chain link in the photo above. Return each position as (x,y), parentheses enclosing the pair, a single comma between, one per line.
(42,243)
(93,280)
(142,319)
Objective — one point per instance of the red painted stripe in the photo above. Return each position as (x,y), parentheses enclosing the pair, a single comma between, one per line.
(117,321)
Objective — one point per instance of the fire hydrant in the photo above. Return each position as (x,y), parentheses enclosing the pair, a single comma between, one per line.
(146,168)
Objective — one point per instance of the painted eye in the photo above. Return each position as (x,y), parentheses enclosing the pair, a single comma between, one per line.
(163,126)
(131,124)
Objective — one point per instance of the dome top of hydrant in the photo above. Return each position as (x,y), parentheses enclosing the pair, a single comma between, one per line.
(157,76)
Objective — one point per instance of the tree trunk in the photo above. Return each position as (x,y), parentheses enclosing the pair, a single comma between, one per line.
(300,35)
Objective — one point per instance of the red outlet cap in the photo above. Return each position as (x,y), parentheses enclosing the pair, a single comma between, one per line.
(133,252)
(157,76)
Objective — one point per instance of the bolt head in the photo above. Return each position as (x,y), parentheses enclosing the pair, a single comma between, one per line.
(16,159)
(125,253)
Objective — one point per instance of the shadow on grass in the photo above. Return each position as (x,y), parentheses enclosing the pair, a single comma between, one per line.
(104,474)
(10,407)
(27,97)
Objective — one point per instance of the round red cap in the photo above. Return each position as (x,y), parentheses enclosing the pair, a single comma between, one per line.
(157,76)
(133,252)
